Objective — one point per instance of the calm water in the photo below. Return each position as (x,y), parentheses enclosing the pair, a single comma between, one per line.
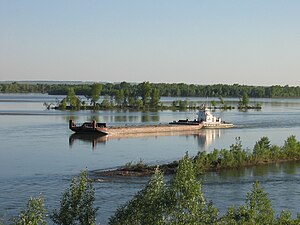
(39,154)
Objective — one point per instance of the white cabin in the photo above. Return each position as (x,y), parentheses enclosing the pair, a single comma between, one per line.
(206,116)
(210,121)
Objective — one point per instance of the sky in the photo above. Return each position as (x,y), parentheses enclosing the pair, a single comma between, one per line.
(252,42)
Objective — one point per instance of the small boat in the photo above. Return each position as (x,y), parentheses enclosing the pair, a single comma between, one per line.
(205,118)
(89,128)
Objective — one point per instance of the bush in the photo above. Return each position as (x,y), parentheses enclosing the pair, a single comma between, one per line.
(76,205)
(180,202)
(34,214)
(146,207)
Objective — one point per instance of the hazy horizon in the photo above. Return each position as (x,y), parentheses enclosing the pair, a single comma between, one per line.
(194,42)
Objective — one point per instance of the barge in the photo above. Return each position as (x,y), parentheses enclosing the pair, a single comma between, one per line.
(205,119)
(101,128)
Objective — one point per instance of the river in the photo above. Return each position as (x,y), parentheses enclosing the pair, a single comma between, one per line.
(39,155)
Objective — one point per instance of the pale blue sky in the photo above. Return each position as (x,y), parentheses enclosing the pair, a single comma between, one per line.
(192,41)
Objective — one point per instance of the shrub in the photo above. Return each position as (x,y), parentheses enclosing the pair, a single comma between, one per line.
(76,205)
(35,213)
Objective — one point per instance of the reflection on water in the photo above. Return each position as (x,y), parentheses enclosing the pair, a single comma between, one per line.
(207,137)
(150,117)
(204,137)
(89,138)
(279,180)
(35,155)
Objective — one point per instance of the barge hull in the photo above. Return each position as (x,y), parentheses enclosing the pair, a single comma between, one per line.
(152,129)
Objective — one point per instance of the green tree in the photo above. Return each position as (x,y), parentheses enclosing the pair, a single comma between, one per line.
(94,93)
(63,104)
(238,156)
(291,147)
(213,103)
(221,100)
(132,101)
(155,97)
(262,149)
(183,104)
(106,104)
(139,103)
(285,218)
(186,204)
(119,97)
(181,202)
(72,99)
(258,209)
(76,205)
(145,90)
(245,100)
(34,214)
(146,207)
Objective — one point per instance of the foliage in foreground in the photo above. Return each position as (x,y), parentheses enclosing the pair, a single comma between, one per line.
(76,206)
(34,214)
(182,202)
(179,201)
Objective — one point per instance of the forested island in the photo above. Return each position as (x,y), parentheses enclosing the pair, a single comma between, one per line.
(233,158)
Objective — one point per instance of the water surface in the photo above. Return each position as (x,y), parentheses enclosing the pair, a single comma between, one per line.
(39,154)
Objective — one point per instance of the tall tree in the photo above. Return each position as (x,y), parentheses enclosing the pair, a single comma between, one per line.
(146,207)
(186,203)
(94,93)
(155,97)
(119,97)
(145,91)
(72,99)
(245,99)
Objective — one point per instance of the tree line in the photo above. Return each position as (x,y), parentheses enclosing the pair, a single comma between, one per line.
(125,91)
(144,97)
(178,201)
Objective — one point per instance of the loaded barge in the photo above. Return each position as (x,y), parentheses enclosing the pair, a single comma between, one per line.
(101,128)
(205,119)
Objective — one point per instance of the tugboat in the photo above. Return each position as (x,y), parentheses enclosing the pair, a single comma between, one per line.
(205,118)
(210,121)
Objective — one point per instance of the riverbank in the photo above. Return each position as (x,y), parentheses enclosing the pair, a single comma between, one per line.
(236,157)
(143,170)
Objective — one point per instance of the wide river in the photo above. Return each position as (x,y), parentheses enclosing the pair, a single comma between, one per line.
(39,155)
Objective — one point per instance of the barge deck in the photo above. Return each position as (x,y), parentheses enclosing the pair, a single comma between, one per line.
(101,128)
